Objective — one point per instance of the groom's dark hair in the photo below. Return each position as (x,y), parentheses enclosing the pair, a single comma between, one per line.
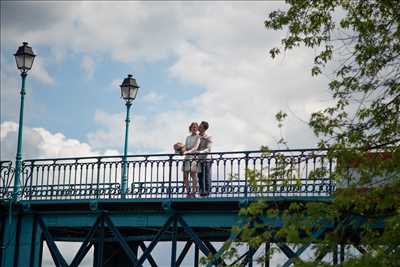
(205,125)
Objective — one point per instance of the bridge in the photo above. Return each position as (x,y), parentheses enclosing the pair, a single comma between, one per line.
(80,200)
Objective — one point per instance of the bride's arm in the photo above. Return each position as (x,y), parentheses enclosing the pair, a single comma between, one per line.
(194,148)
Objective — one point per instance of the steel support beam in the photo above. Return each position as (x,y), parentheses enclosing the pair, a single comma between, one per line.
(99,255)
(36,244)
(322,255)
(184,251)
(193,236)
(113,229)
(21,243)
(154,242)
(2,226)
(360,249)
(342,246)
(128,251)
(249,258)
(240,258)
(55,253)
(292,255)
(30,244)
(196,256)
(113,255)
(174,242)
(210,247)
(287,251)
(219,261)
(335,254)
(266,254)
(232,237)
(86,244)
(18,239)
(149,257)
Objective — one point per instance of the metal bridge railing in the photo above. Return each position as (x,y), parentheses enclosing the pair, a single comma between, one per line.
(233,174)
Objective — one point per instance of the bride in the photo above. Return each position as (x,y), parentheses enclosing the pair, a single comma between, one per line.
(189,164)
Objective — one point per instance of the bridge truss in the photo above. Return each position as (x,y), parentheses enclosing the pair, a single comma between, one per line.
(80,200)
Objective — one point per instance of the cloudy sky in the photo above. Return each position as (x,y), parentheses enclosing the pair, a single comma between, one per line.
(193,61)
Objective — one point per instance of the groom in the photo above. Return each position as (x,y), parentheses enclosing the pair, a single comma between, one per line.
(204,170)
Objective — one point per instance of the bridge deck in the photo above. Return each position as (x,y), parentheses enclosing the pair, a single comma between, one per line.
(211,218)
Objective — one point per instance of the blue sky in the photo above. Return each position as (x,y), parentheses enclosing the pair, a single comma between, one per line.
(193,61)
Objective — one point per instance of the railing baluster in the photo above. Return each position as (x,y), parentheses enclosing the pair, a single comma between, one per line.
(218,160)
(246,175)
(98,178)
(224,175)
(170,177)
(157,168)
(163,177)
(177,180)
(31,182)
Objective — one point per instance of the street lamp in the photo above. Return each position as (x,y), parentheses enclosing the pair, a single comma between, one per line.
(24,58)
(129,89)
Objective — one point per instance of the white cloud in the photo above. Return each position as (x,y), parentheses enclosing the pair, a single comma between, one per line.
(10,82)
(39,142)
(6,128)
(224,51)
(152,98)
(125,30)
(156,134)
(222,48)
(40,72)
(87,65)
(8,91)
(10,87)
(116,83)
(242,97)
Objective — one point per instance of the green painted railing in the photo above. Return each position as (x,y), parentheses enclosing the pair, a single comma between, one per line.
(230,174)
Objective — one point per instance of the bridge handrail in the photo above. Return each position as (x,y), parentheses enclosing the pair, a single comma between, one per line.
(160,175)
(275,151)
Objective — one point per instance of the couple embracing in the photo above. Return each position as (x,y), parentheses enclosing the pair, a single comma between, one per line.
(195,164)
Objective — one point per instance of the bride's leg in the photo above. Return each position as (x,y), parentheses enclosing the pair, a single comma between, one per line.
(194,181)
(186,181)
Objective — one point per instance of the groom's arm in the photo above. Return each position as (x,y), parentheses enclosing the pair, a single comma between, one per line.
(208,148)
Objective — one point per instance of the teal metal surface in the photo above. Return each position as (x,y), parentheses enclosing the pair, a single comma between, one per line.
(232,237)
(18,160)
(132,256)
(174,243)
(184,251)
(110,231)
(124,180)
(83,200)
(86,245)
(54,251)
(21,244)
(159,176)
(149,258)
(320,231)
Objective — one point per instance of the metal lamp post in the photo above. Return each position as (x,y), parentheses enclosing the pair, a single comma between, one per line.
(129,89)
(24,58)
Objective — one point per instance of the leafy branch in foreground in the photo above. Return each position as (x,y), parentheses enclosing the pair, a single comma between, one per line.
(357,45)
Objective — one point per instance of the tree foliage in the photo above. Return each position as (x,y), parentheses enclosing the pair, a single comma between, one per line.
(357,46)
